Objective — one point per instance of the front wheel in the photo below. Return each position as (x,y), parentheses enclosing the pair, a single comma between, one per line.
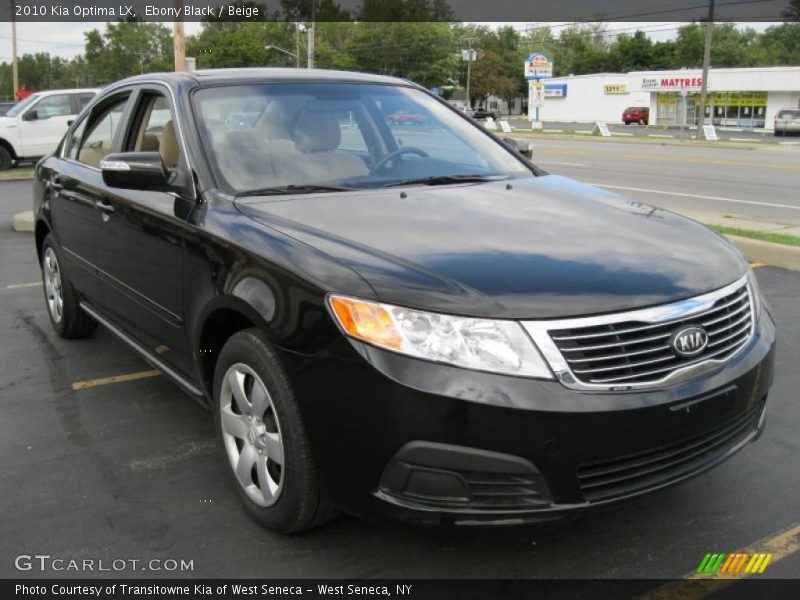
(6,162)
(263,437)
(66,315)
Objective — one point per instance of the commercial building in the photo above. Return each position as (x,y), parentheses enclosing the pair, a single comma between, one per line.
(747,98)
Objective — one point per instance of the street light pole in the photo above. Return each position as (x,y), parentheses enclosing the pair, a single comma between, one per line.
(706,62)
(297,44)
(271,47)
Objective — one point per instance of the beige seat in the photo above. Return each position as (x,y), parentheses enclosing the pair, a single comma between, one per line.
(149,143)
(168,148)
(317,136)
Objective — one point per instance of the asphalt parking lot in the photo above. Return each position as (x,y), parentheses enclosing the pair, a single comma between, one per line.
(100,468)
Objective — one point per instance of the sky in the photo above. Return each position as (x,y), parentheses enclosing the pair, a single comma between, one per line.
(67,39)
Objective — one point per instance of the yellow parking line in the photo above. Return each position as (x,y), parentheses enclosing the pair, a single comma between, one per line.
(15,286)
(82,385)
(755,265)
(695,586)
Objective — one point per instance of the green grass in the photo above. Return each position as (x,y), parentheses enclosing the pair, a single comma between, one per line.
(765,236)
(17,173)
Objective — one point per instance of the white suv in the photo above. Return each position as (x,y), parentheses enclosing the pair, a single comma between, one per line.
(34,126)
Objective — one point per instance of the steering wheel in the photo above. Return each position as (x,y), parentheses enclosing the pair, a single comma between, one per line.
(396,153)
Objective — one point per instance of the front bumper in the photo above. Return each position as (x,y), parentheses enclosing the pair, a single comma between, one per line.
(402,439)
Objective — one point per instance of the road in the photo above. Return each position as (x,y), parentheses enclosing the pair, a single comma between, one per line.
(130,469)
(655,131)
(761,184)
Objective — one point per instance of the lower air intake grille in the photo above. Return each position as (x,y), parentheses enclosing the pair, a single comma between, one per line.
(635,472)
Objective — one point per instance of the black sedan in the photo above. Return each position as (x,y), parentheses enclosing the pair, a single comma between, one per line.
(418,326)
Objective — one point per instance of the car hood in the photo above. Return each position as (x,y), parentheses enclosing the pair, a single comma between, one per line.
(539,247)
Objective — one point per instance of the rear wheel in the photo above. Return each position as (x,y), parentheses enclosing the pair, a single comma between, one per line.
(63,306)
(6,162)
(263,437)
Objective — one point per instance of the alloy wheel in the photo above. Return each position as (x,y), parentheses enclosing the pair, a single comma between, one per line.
(52,285)
(251,434)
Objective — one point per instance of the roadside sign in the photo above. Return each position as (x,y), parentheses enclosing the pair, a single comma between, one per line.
(504,126)
(710,133)
(537,95)
(538,66)
(601,129)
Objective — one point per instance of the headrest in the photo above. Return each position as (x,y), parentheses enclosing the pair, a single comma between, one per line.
(168,148)
(150,143)
(274,121)
(316,132)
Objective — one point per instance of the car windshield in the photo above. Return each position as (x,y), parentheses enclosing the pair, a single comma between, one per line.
(789,114)
(22,105)
(300,137)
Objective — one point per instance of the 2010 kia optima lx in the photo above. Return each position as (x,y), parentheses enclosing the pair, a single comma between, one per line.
(401,321)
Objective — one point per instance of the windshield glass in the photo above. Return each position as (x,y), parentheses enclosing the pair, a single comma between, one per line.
(789,114)
(335,135)
(22,105)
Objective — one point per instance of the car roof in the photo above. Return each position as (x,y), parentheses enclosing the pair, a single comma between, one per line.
(67,91)
(204,77)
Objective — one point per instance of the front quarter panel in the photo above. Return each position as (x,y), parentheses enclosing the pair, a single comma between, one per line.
(231,262)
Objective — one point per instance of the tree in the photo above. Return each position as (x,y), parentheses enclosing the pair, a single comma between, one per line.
(489,77)
(792,12)
(127,48)
(780,44)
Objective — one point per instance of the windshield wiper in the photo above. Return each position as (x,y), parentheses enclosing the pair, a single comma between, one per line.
(294,189)
(445,179)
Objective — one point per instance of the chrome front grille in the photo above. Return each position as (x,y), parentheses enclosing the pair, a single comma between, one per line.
(633,349)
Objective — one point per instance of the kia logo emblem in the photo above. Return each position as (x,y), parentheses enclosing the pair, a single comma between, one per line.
(689,341)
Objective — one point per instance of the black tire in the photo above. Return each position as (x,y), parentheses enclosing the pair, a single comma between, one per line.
(6,161)
(300,504)
(71,321)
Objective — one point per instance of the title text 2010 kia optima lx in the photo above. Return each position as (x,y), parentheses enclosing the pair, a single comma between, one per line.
(408,323)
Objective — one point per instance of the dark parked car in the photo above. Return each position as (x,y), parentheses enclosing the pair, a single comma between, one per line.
(481,113)
(434,331)
(636,114)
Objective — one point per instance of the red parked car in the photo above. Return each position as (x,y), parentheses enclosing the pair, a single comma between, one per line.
(636,114)
(402,117)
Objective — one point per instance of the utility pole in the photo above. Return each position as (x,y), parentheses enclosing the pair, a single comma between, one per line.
(14,66)
(311,34)
(469,55)
(706,62)
(179,38)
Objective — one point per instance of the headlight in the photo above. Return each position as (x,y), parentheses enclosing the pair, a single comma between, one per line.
(756,292)
(480,344)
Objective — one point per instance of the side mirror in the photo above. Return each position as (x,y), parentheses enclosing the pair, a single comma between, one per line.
(136,171)
(31,115)
(526,152)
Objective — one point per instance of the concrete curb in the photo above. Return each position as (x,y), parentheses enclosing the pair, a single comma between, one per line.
(23,221)
(769,253)
(20,177)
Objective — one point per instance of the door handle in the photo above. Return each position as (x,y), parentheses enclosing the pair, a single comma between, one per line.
(105,206)
(56,183)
